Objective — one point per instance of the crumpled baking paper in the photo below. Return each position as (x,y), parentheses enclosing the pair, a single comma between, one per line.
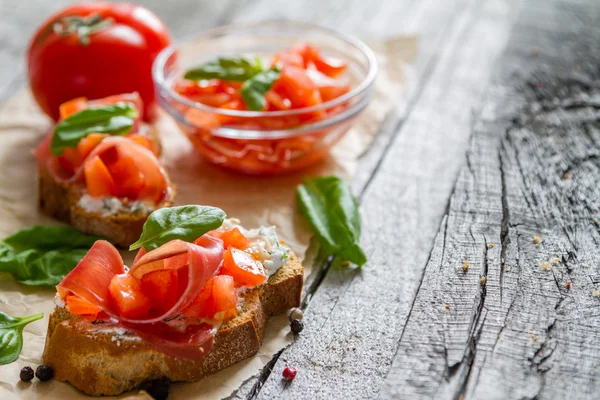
(255,200)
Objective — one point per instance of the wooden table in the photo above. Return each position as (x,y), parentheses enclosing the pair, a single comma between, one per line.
(479,199)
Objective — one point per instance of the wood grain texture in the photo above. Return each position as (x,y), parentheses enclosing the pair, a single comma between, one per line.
(356,317)
(524,216)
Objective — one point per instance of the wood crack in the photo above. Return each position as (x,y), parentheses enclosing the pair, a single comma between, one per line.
(504,225)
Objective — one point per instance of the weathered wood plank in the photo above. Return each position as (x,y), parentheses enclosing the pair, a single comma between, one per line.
(356,317)
(530,329)
(401,18)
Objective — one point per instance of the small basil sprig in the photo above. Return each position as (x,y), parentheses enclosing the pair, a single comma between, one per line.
(230,69)
(257,81)
(183,222)
(11,335)
(43,255)
(254,89)
(332,212)
(113,119)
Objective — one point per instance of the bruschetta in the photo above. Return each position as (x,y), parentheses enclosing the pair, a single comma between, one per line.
(181,312)
(107,182)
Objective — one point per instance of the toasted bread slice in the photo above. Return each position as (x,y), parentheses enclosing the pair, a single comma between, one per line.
(61,201)
(110,363)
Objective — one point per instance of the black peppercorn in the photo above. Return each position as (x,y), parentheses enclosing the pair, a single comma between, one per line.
(26,374)
(44,373)
(157,388)
(296,326)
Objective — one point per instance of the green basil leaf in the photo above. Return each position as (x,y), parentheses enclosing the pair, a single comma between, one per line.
(254,89)
(11,336)
(231,69)
(49,238)
(332,212)
(43,255)
(113,119)
(184,222)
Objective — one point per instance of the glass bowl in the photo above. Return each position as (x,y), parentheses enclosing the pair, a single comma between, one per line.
(283,141)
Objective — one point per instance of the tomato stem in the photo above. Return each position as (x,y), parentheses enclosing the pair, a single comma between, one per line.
(83,27)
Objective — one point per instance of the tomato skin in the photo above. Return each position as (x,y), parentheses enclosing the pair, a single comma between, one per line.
(128,296)
(232,237)
(244,269)
(118,58)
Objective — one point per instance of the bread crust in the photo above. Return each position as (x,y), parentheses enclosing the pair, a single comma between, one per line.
(61,201)
(107,363)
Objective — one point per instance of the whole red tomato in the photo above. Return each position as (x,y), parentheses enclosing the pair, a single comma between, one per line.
(95,50)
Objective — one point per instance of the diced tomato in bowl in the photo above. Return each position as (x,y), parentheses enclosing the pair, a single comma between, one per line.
(270,105)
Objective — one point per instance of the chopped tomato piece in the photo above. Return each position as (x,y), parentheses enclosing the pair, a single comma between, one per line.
(216,301)
(244,269)
(132,98)
(162,288)
(309,53)
(72,106)
(127,177)
(330,66)
(295,84)
(332,92)
(145,141)
(88,143)
(230,105)
(78,306)
(277,102)
(213,100)
(288,58)
(225,297)
(98,180)
(231,87)
(128,296)
(202,306)
(232,237)
(193,89)
(201,118)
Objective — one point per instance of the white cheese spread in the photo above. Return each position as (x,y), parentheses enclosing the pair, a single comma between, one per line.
(107,206)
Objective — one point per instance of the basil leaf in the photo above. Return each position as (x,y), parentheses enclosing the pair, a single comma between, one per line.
(254,89)
(11,336)
(184,222)
(114,119)
(332,212)
(231,69)
(43,255)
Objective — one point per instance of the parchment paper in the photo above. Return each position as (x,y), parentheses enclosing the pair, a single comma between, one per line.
(255,200)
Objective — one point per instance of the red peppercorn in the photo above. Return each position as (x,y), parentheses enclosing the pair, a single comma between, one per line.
(289,373)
